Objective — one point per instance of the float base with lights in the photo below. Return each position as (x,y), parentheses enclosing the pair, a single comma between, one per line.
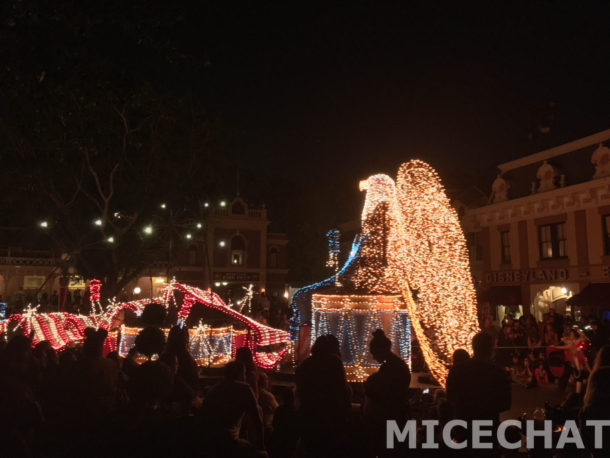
(408,270)
(210,346)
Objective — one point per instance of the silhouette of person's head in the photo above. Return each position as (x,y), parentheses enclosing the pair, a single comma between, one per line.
(380,346)
(598,394)
(483,346)
(94,343)
(460,356)
(235,371)
(150,341)
(244,356)
(177,339)
(602,358)
(326,344)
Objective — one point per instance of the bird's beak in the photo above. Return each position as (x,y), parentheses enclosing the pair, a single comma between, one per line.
(363,185)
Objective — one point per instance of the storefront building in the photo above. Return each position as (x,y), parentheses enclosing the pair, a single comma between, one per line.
(543,241)
(232,250)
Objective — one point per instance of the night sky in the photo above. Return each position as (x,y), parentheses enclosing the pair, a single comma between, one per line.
(314,98)
(339,92)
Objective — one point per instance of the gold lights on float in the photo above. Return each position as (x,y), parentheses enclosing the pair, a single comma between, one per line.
(423,257)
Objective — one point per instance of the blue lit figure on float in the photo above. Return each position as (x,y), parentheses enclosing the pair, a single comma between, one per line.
(362,296)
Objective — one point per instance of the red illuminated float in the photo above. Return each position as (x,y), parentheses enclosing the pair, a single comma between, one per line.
(268,345)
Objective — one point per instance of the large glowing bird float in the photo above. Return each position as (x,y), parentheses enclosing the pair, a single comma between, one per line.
(411,244)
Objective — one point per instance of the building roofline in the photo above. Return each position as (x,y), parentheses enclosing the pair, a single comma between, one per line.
(540,156)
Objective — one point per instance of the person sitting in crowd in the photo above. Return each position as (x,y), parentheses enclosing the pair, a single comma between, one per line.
(186,377)
(267,402)
(460,356)
(285,426)
(244,356)
(596,406)
(541,374)
(386,390)
(152,381)
(323,399)
(223,411)
(478,388)
(602,358)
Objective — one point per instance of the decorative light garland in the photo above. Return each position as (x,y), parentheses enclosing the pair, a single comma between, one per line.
(411,245)
(64,329)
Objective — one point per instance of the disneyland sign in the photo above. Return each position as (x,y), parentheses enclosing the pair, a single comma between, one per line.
(527,276)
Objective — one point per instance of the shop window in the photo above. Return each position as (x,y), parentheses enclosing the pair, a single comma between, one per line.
(238,250)
(552,241)
(505,247)
(606,231)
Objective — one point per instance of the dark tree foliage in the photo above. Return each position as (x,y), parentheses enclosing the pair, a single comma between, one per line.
(99,118)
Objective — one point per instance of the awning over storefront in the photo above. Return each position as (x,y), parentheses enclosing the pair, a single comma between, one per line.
(592,295)
(502,295)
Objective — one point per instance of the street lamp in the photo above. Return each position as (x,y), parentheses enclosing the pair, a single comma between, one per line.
(110,239)
(44,224)
(163,206)
(223,203)
(189,236)
(148,229)
(97,222)
(137,290)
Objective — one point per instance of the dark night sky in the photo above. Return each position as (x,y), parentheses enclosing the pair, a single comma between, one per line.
(327,95)
(339,92)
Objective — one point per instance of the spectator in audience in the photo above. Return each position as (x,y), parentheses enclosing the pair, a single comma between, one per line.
(602,359)
(541,374)
(460,356)
(323,399)
(186,377)
(386,391)
(596,406)
(285,428)
(267,401)
(244,356)
(222,412)
(478,388)
(152,382)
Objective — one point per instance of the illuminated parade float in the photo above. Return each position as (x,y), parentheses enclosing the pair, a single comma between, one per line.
(407,270)
(210,346)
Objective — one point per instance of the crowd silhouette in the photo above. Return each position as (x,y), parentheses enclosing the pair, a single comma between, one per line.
(82,403)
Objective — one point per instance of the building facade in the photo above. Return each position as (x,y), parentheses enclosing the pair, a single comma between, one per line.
(232,250)
(543,240)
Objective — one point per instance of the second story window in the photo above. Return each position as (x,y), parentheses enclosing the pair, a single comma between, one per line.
(238,250)
(606,232)
(475,246)
(505,247)
(552,241)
